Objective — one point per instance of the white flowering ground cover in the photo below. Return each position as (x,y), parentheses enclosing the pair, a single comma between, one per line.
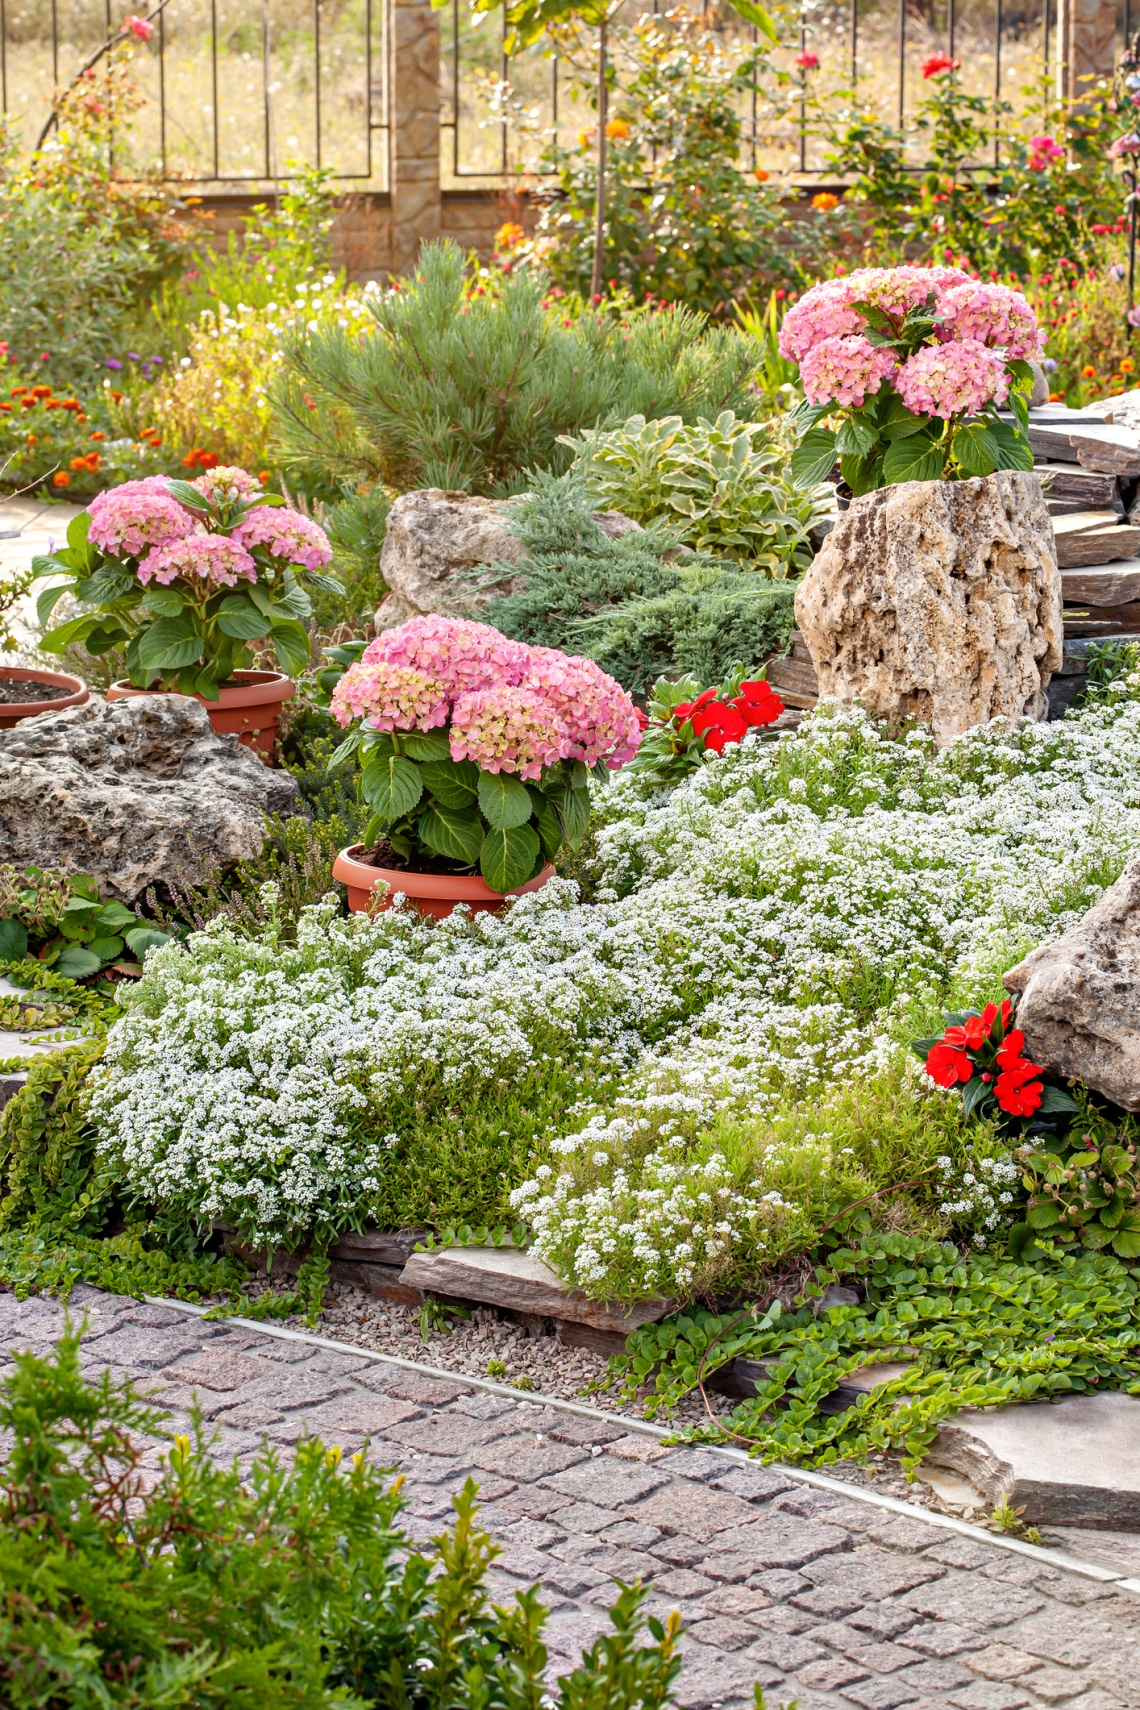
(676,1081)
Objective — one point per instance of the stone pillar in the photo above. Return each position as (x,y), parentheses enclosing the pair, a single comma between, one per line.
(1086,45)
(413,128)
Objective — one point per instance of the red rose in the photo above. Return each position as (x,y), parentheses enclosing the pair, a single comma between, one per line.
(937,63)
(946,1066)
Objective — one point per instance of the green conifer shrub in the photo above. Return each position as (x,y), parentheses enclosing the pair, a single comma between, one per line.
(293,1585)
(469,392)
(633,604)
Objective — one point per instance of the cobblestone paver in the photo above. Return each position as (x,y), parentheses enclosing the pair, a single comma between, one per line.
(820,1598)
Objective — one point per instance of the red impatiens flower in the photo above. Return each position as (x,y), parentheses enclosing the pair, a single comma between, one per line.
(758,703)
(946,1065)
(1010,1049)
(1017,1092)
(687,708)
(718,724)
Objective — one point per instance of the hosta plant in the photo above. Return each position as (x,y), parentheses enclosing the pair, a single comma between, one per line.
(684,722)
(186,575)
(477,750)
(1085,1186)
(983,1056)
(729,493)
(905,371)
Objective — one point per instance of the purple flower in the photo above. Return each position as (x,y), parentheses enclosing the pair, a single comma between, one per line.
(134,356)
(157,359)
(112,362)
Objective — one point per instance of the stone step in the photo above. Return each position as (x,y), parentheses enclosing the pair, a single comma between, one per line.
(1100,544)
(1074,1462)
(514,1279)
(1105,449)
(1115,584)
(1068,483)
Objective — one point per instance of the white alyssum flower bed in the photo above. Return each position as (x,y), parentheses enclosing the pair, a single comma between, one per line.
(753,935)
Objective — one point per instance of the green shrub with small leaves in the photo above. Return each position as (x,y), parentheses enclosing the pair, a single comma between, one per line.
(286,1585)
(1084,1185)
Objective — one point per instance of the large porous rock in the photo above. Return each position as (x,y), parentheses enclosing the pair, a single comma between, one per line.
(135,792)
(938,600)
(1080,996)
(438,547)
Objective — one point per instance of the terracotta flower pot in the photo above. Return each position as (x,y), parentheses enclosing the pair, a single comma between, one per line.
(434,894)
(248,707)
(11,712)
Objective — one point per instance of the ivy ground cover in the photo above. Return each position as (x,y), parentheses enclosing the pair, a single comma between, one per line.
(676,1080)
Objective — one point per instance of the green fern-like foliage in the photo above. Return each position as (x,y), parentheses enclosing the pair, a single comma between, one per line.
(633,604)
(468,392)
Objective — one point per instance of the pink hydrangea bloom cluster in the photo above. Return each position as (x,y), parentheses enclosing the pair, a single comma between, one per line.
(512,708)
(285,534)
(509,727)
(201,558)
(947,379)
(992,314)
(227,482)
(826,312)
(457,652)
(982,327)
(390,697)
(845,370)
(128,519)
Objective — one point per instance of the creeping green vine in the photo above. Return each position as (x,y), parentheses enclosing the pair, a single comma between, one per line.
(975,1332)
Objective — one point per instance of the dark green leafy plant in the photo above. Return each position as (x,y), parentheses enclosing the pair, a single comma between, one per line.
(279,1586)
(59,919)
(975,1331)
(1084,1186)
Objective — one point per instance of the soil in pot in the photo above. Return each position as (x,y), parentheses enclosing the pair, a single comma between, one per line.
(18,691)
(383,855)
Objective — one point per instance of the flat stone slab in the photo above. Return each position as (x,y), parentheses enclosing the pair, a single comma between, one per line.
(1103,584)
(505,1276)
(1071,1463)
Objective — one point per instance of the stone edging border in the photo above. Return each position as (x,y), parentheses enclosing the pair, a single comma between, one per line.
(642,1427)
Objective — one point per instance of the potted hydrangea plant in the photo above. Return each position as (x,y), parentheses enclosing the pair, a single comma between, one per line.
(187,574)
(475,758)
(937,594)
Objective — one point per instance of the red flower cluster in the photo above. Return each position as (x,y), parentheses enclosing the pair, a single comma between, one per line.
(937,63)
(720,722)
(966,1048)
(199,459)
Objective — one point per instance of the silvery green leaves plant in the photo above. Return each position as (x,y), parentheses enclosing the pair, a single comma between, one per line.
(187,576)
(723,482)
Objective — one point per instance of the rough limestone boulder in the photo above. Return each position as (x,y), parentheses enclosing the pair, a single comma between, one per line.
(134,792)
(938,600)
(1080,996)
(437,549)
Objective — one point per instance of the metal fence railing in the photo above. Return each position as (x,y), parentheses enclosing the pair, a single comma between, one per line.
(230,91)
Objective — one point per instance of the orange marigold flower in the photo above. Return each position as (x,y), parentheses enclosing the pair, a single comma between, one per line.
(617,129)
(509,235)
(825,201)
(5,407)
(762,175)
(118,397)
(1127,365)
(264,475)
(41,391)
(18,391)
(1088,373)
(98,434)
(29,403)
(60,479)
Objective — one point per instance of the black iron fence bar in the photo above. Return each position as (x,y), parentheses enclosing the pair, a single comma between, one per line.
(372,122)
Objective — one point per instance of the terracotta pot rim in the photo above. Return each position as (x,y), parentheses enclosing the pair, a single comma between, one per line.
(257,688)
(442,887)
(79,695)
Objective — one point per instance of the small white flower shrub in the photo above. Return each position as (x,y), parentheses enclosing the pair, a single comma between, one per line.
(760,934)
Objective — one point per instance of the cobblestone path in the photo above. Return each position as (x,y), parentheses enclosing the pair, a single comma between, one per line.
(821,1598)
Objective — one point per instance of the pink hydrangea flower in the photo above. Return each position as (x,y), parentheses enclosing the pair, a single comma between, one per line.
(991,314)
(390,697)
(128,519)
(947,379)
(200,557)
(459,653)
(285,534)
(600,719)
(228,482)
(845,370)
(823,312)
(510,727)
